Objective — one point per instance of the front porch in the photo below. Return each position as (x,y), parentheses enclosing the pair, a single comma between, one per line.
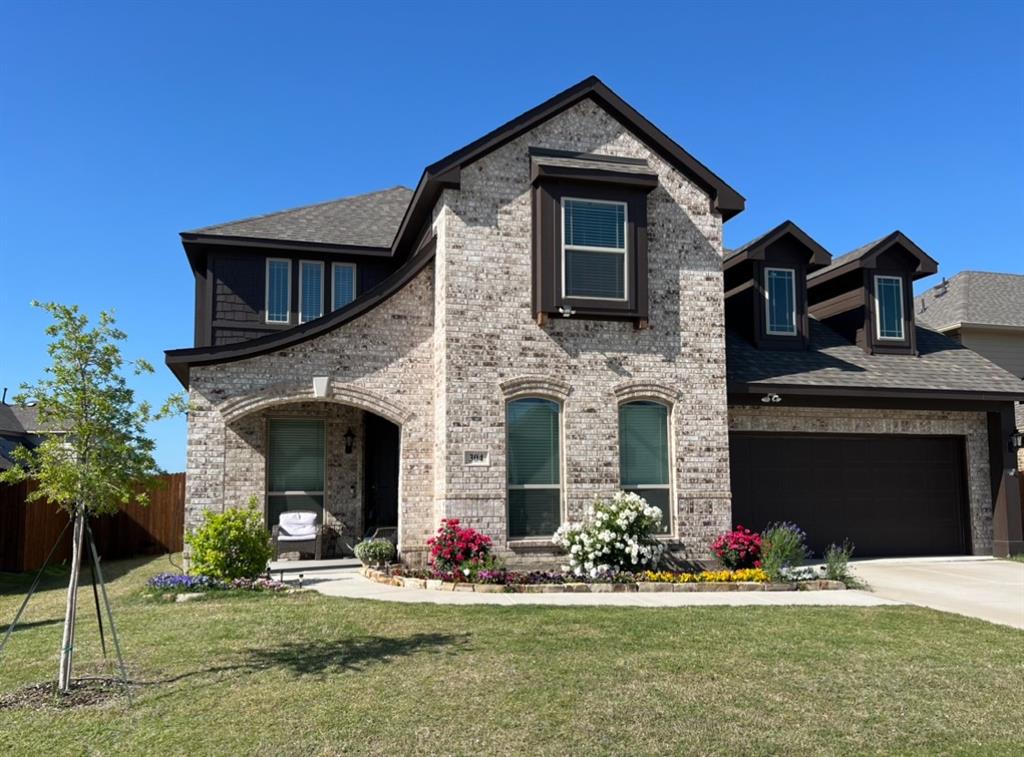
(337,460)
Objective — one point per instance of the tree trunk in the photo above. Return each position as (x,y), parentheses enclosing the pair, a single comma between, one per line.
(68,641)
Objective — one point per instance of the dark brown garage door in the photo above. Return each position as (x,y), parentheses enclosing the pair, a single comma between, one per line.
(889,495)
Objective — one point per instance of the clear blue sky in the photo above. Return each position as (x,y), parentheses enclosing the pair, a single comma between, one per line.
(123,124)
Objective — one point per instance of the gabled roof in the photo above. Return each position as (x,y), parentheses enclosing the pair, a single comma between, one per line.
(19,419)
(865,257)
(973,297)
(755,248)
(366,220)
(944,368)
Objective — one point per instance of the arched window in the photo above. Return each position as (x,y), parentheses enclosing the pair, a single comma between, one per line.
(534,467)
(644,455)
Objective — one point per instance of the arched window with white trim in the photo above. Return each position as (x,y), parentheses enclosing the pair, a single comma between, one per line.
(533,428)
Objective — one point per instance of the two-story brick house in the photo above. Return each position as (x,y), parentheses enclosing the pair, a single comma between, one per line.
(543,320)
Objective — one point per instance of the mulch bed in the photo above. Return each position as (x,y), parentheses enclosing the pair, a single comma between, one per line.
(88,692)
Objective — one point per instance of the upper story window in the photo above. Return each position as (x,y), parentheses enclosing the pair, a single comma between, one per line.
(780,301)
(344,289)
(644,455)
(889,307)
(279,290)
(594,253)
(533,427)
(311,290)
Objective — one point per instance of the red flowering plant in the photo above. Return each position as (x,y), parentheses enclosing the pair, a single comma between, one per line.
(739,548)
(459,552)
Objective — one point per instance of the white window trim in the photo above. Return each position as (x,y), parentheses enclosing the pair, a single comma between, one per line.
(334,281)
(320,265)
(624,252)
(671,466)
(767,302)
(878,311)
(291,492)
(288,292)
(546,539)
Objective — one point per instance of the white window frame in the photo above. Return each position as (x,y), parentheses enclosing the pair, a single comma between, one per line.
(624,252)
(670,451)
(561,470)
(878,311)
(266,465)
(303,264)
(288,292)
(334,281)
(767,302)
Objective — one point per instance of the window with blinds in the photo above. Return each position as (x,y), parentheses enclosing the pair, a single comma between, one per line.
(295,466)
(344,289)
(311,290)
(889,307)
(644,455)
(534,467)
(594,249)
(780,301)
(279,289)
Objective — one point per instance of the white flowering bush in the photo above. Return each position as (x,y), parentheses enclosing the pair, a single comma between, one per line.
(616,535)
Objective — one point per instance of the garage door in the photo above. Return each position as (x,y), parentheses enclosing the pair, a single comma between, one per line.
(889,495)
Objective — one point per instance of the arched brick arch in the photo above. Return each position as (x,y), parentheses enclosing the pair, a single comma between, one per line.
(338,392)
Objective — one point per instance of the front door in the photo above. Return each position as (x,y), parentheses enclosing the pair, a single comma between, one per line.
(380,468)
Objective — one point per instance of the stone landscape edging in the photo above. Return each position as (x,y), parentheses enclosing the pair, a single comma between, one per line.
(436,584)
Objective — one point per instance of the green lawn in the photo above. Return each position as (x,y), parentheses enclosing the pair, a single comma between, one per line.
(304,674)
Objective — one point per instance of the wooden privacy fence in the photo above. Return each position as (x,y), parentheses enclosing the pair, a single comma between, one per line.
(29,529)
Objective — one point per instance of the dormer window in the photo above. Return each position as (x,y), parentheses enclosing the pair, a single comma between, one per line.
(889,307)
(780,301)
(594,252)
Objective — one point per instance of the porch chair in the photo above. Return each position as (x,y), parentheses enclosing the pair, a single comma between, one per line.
(298,531)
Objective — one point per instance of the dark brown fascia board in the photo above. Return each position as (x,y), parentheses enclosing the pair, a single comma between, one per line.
(926,264)
(181,361)
(445,172)
(889,393)
(755,250)
(188,238)
(598,175)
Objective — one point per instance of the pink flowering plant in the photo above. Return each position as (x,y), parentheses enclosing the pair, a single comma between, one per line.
(458,550)
(738,549)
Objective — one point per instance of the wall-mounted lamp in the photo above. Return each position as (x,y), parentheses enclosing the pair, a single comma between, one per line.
(350,441)
(772,398)
(566,311)
(1016,440)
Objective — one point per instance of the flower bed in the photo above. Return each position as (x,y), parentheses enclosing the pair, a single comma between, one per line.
(749,579)
(171,586)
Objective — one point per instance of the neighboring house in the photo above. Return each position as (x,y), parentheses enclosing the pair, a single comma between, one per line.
(985,313)
(19,427)
(544,320)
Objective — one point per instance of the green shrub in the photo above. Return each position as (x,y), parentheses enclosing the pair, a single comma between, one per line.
(231,544)
(783,548)
(837,558)
(375,552)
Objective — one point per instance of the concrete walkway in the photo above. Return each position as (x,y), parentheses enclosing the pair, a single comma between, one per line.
(984,588)
(348,583)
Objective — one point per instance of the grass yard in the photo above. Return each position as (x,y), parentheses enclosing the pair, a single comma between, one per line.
(305,674)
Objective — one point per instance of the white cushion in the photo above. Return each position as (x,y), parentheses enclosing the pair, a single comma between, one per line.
(297,525)
(298,517)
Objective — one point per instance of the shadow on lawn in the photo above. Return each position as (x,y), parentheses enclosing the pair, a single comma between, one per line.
(353,654)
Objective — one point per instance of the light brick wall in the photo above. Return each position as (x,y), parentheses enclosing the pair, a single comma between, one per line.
(490,336)
(972,426)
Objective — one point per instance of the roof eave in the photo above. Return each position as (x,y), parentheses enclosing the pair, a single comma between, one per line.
(782,388)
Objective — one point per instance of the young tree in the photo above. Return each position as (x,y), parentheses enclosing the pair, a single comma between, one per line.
(97,456)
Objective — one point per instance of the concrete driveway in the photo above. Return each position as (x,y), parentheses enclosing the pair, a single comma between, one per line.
(985,588)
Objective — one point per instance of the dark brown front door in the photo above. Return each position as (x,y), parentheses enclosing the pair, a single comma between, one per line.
(380,474)
(889,495)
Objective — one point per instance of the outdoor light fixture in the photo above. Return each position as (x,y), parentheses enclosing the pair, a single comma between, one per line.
(566,311)
(771,398)
(350,441)
(1016,440)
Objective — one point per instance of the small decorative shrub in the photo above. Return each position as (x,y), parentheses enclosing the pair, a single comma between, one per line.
(783,549)
(257,584)
(375,552)
(455,545)
(837,558)
(739,548)
(616,535)
(231,544)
